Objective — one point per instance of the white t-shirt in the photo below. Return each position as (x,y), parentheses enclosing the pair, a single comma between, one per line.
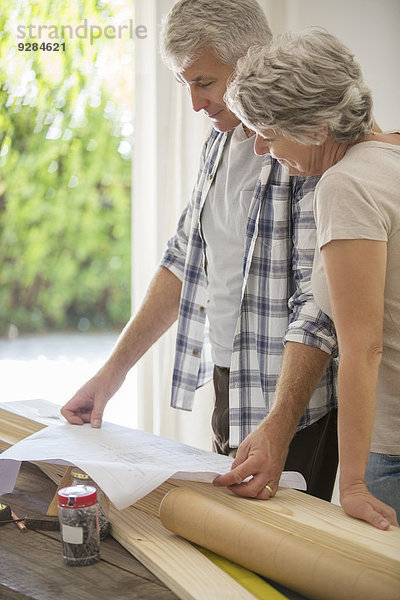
(223,221)
(359,198)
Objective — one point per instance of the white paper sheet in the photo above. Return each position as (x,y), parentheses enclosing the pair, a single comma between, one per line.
(126,463)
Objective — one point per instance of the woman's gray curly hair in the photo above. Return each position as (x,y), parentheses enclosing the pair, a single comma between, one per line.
(229,27)
(300,84)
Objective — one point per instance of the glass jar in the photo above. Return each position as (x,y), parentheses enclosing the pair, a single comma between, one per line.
(79,477)
(78,513)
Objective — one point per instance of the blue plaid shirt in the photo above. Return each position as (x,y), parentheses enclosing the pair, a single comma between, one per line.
(276,302)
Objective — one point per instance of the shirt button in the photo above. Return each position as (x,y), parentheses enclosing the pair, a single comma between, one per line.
(201,309)
(210,176)
(195,352)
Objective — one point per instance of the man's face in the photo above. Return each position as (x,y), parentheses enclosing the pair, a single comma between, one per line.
(206,80)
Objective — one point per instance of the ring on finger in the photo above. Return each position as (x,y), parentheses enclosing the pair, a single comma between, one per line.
(269,488)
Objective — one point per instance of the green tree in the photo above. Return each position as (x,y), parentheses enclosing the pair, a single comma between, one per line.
(65,147)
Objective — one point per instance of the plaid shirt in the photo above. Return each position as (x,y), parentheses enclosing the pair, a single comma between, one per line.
(276,301)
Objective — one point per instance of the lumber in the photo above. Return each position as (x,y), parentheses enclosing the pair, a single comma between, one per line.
(295,518)
(188,572)
(173,560)
(310,568)
(317,521)
(14,428)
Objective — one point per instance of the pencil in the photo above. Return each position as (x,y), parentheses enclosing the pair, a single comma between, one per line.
(21,526)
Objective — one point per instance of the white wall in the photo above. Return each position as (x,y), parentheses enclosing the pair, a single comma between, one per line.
(369,27)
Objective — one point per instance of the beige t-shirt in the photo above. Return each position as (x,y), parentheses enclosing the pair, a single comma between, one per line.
(359,198)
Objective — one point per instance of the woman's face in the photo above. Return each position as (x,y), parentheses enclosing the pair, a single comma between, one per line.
(298,159)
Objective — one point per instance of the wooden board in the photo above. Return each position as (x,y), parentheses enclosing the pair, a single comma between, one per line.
(310,567)
(14,428)
(317,521)
(144,537)
(139,530)
(176,562)
(172,559)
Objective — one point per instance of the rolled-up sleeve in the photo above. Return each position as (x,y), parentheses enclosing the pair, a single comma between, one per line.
(307,324)
(174,256)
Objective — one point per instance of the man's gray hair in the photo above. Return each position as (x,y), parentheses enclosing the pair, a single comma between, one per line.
(229,27)
(299,84)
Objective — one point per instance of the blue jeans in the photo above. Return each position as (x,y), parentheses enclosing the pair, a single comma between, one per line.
(382,477)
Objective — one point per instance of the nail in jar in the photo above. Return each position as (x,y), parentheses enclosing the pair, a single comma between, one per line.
(81,478)
(78,512)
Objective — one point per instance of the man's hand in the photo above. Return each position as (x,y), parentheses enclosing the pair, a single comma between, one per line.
(89,402)
(260,456)
(358,502)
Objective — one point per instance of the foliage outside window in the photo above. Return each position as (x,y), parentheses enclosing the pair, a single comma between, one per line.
(65,169)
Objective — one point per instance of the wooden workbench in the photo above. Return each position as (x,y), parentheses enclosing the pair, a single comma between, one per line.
(31,565)
(332,555)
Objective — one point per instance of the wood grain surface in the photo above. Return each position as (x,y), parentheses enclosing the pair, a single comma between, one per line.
(193,577)
(31,565)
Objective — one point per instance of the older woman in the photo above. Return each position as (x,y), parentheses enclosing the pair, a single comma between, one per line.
(306,99)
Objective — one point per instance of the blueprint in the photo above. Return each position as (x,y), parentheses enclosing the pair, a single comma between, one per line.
(126,463)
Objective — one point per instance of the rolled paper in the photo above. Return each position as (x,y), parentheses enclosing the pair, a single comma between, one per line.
(310,568)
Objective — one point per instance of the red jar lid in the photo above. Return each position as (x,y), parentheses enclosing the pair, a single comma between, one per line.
(77,496)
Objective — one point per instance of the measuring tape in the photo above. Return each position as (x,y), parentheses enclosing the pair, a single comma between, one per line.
(5,514)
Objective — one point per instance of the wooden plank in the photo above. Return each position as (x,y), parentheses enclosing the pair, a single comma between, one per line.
(65,481)
(176,562)
(131,539)
(167,564)
(211,582)
(291,511)
(8,594)
(305,517)
(187,572)
(14,428)
(315,520)
(310,568)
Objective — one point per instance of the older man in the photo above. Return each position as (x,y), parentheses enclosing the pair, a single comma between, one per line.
(242,255)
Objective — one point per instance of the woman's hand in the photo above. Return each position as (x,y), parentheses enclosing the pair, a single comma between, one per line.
(358,502)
